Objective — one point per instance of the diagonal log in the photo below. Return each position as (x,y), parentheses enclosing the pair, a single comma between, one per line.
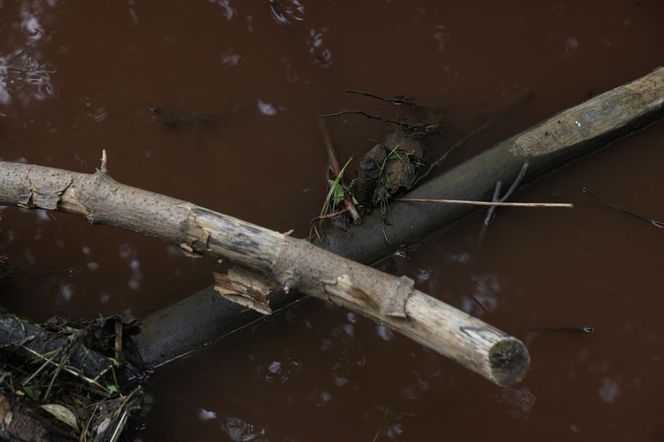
(563,138)
(292,264)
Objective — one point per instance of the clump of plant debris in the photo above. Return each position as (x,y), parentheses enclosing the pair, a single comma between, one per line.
(392,166)
(423,138)
(68,380)
(387,169)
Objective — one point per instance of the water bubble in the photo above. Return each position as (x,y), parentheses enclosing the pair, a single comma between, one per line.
(206,415)
(385,333)
(423,275)
(267,108)
(67,291)
(609,389)
(230,58)
(571,44)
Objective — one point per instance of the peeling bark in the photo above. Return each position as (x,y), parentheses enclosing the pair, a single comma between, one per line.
(292,264)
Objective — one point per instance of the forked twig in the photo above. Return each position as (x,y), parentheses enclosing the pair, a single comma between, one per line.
(490,213)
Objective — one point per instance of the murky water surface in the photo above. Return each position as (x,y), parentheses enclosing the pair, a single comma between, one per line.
(238,85)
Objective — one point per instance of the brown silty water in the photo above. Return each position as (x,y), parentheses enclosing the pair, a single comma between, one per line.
(239,93)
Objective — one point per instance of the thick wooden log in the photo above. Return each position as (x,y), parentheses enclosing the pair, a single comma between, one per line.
(293,264)
(553,143)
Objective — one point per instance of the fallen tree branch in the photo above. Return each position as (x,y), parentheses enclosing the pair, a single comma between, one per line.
(290,263)
(547,146)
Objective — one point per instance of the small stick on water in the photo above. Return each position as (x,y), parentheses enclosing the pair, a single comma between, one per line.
(621,209)
(421,129)
(456,145)
(562,328)
(397,100)
(484,203)
(329,215)
(491,212)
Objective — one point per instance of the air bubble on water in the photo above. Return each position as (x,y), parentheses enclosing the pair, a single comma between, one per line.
(267,108)
(206,415)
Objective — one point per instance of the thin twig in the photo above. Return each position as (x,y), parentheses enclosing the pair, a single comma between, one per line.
(329,215)
(450,150)
(484,203)
(490,213)
(517,181)
(621,209)
(420,129)
(492,210)
(397,100)
(495,198)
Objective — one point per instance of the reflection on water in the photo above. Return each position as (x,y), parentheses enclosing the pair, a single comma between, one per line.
(519,401)
(241,431)
(236,83)
(24,76)
(609,389)
(484,298)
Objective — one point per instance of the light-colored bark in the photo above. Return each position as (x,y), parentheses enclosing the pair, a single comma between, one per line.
(563,138)
(289,263)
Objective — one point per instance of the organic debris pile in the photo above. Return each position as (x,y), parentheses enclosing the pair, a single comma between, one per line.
(67,380)
(387,169)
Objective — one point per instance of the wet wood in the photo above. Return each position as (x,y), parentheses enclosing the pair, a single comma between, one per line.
(292,264)
(36,344)
(553,143)
(565,137)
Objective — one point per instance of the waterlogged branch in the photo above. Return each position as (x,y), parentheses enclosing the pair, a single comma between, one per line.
(556,141)
(285,262)
(553,143)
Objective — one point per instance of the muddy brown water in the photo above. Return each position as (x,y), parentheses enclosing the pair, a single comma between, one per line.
(77,76)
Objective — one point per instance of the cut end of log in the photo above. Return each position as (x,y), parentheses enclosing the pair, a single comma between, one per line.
(509,361)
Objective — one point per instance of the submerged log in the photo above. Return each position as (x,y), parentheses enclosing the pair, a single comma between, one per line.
(37,344)
(286,262)
(551,144)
